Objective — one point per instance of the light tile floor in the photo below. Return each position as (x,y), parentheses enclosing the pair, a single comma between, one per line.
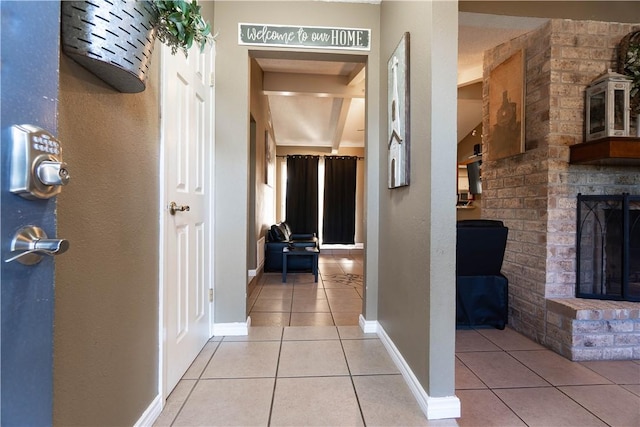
(335,375)
(335,300)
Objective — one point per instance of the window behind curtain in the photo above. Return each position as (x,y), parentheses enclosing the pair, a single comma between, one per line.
(302,193)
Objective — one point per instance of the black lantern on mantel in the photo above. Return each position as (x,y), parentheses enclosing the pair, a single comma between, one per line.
(607,106)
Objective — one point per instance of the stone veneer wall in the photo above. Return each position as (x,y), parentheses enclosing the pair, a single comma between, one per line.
(535,193)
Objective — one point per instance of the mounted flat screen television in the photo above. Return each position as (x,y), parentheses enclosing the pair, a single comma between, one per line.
(475,178)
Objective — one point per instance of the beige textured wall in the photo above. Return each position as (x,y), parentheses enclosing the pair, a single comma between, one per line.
(417,223)
(106,314)
(263,202)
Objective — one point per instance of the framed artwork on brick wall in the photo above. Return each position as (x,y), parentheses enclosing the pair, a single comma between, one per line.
(506,108)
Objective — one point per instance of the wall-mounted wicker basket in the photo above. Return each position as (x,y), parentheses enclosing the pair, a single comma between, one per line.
(113,39)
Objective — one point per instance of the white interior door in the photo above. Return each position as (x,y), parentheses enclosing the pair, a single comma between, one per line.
(187,117)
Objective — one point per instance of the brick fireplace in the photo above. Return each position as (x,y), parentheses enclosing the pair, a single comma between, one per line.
(535,193)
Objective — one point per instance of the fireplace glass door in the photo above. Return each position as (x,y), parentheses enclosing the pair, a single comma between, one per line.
(608,247)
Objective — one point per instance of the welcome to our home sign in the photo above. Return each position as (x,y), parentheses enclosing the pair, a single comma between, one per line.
(298,36)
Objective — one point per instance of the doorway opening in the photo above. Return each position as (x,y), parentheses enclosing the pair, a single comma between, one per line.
(311,104)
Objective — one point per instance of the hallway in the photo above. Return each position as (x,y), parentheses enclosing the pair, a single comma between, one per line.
(325,373)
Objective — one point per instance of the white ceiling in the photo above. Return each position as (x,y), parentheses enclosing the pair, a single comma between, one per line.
(319,102)
(315,103)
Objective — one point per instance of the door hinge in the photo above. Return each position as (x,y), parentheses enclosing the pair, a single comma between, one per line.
(210,295)
(212,80)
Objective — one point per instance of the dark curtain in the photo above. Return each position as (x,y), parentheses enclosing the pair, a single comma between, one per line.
(339,220)
(302,194)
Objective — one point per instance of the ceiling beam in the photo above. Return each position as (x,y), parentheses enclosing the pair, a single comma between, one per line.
(338,119)
(357,76)
(292,84)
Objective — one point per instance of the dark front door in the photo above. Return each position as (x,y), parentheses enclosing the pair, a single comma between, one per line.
(29,34)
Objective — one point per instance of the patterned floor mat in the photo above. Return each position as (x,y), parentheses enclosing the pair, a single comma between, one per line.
(344,279)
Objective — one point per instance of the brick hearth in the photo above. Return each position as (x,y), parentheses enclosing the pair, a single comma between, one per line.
(586,329)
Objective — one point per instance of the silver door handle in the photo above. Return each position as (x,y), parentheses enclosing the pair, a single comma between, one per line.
(32,244)
(173,208)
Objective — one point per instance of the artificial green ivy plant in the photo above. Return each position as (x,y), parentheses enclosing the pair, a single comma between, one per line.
(180,24)
(632,69)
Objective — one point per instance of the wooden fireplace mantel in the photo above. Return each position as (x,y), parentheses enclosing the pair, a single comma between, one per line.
(614,151)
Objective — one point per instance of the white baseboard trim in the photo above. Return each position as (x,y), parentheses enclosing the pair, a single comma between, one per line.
(151,414)
(330,246)
(434,408)
(368,326)
(232,329)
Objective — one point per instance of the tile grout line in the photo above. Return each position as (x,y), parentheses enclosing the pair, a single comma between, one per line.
(197,381)
(557,388)
(582,406)
(507,406)
(474,374)
(528,368)
(275,379)
(353,384)
(333,319)
(293,290)
(492,390)
(496,395)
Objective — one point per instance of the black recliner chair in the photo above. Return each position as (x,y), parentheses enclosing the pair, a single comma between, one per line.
(482,291)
